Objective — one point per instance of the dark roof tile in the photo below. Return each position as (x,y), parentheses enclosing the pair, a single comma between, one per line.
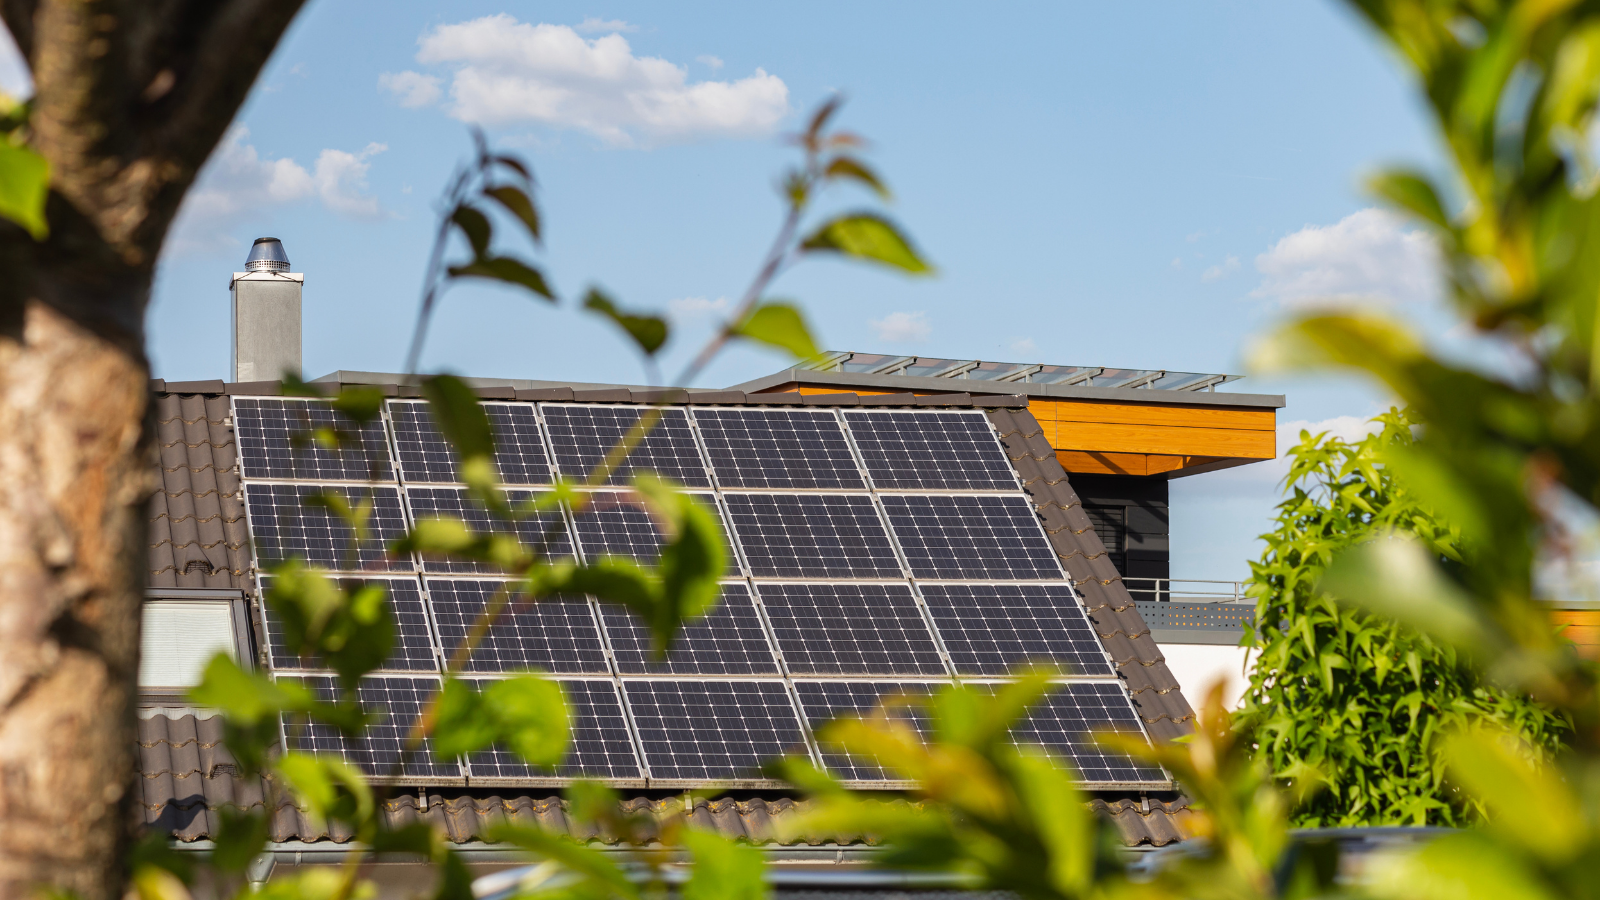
(962,399)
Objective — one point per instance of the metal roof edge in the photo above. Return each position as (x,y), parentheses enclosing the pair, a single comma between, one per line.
(1055,391)
(521,384)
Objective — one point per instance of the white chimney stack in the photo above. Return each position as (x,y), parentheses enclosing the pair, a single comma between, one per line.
(266,314)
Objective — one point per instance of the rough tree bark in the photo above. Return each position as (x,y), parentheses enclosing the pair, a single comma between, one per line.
(130,98)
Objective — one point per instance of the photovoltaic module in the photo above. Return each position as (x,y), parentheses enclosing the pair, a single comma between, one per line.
(872,553)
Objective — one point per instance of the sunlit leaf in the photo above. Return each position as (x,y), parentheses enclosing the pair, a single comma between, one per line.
(870,237)
(505,269)
(1411,192)
(856,170)
(24,185)
(723,869)
(777,324)
(649,332)
(328,787)
(518,203)
(475,225)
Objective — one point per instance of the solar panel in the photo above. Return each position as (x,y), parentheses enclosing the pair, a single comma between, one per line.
(850,629)
(615,523)
(425,455)
(557,636)
(991,629)
(274,437)
(601,746)
(378,751)
(285,527)
(413,643)
(711,730)
(583,435)
(533,532)
(730,641)
(1065,723)
(972,536)
(778,448)
(930,451)
(823,701)
(812,536)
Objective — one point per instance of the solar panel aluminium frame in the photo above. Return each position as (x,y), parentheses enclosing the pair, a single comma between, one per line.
(688,412)
(397,467)
(458,780)
(866,471)
(787,678)
(807,739)
(643,781)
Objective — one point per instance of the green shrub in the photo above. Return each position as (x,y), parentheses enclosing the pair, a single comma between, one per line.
(1341,698)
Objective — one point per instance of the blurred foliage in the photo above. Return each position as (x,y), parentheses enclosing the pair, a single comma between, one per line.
(1346,705)
(24,174)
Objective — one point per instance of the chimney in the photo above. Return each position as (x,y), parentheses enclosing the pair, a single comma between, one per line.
(266,314)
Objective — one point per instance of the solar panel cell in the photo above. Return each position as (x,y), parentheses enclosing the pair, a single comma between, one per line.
(380,750)
(285,526)
(1066,721)
(730,641)
(424,455)
(930,451)
(971,537)
(824,701)
(712,730)
(778,448)
(547,530)
(583,435)
(615,523)
(850,629)
(557,636)
(275,441)
(812,536)
(600,744)
(991,629)
(413,643)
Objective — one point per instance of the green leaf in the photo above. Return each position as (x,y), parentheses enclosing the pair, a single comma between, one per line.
(1396,578)
(604,877)
(870,237)
(461,725)
(459,415)
(475,225)
(854,169)
(328,787)
(649,332)
(531,715)
(505,269)
(723,869)
(519,204)
(24,185)
(241,838)
(359,403)
(1412,192)
(777,324)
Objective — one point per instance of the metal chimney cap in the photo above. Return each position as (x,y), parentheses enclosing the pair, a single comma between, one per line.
(267,255)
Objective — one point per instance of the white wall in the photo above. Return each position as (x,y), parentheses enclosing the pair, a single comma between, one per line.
(1198,666)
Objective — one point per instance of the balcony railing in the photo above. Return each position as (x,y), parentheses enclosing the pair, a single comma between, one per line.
(1185,590)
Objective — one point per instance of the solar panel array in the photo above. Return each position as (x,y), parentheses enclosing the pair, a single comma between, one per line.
(872,553)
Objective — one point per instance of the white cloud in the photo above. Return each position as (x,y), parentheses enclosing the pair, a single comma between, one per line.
(902,327)
(595,25)
(237,184)
(413,88)
(508,72)
(707,59)
(1221,270)
(696,307)
(1368,255)
(341,180)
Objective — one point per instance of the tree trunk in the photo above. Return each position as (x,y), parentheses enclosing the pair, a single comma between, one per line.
(130,98)
(76,470)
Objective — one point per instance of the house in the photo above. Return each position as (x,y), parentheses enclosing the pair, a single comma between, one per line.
(1070,513)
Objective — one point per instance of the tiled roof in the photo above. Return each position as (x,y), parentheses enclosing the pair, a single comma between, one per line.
(197,526)
(188,777)
(199,539)
(1111,608)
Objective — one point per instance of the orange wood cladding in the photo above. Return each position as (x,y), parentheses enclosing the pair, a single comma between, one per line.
(1094,437)
(1583,629)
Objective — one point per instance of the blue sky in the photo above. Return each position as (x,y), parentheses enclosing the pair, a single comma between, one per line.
(1136,184)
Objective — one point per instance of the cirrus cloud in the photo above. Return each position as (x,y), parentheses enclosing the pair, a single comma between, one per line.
(506,72)
(902,327)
